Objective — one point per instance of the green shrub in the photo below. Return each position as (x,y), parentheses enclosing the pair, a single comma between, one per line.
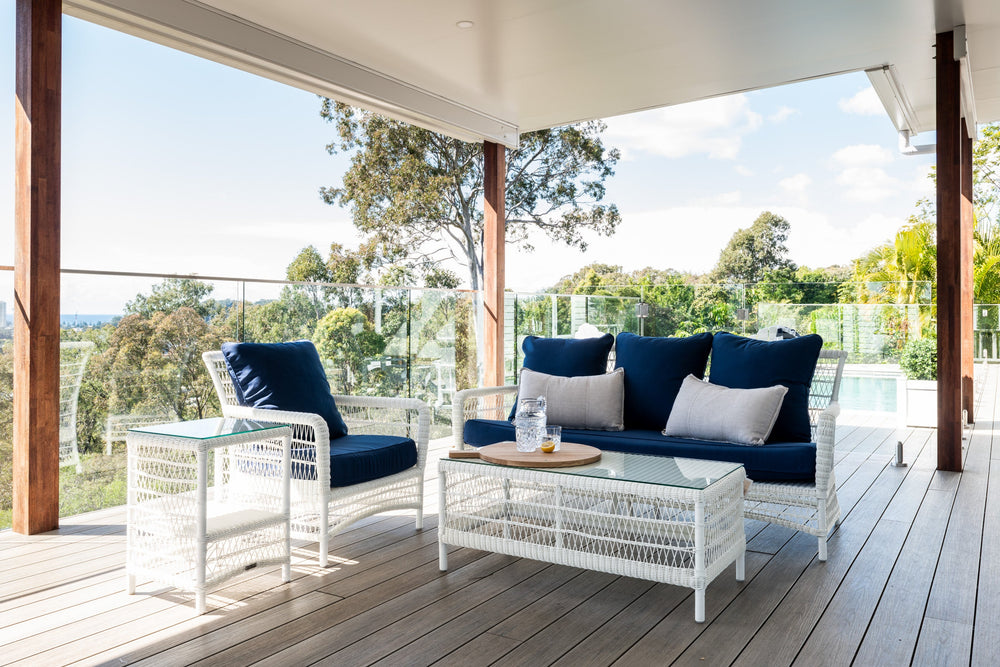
(919,359)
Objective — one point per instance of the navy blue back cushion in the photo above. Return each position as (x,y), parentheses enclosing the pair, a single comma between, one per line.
(745,363)
(567,357)
(654,370)
(283,376)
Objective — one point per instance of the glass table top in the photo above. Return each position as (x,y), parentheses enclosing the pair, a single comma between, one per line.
(206,429)
(646,469)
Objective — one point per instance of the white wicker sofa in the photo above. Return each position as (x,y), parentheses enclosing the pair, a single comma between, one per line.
(810,507)
(317,509)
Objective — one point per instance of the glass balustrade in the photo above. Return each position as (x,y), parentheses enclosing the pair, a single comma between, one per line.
(143,336)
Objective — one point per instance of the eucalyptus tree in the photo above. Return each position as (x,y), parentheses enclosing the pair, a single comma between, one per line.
(418,194)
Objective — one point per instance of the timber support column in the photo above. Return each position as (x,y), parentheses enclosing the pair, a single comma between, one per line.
(494,243)
(949,256)
(38,91)
(968,286)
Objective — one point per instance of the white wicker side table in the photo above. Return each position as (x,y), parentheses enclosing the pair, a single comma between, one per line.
(671,520)
(182,532)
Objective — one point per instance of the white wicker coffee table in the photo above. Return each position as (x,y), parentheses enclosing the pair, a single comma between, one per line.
(670,520)
(186,534)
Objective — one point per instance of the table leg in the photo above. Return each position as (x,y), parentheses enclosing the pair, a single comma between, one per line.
(201,548)
(442,519)
(741,566)
(699,561)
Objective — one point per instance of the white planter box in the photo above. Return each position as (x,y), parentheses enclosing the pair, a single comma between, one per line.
(917,403)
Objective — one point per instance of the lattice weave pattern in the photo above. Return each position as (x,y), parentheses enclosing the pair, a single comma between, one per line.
(812,508)
(637,530)
(175,518)
(318,510)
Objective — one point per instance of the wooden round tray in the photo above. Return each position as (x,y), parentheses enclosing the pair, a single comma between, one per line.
(569,454)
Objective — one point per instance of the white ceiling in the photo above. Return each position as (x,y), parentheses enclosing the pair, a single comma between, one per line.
(529,64)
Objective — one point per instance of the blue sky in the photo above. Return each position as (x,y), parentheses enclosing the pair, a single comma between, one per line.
(179,165)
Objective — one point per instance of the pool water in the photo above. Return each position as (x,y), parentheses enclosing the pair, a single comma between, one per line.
(875,394)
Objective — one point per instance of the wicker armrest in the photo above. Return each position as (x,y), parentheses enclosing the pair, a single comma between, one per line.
(826,436)
(481,403)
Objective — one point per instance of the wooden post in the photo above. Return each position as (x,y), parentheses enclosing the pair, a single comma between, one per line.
(494,185)
(949,256)
(38,90)
(967,305)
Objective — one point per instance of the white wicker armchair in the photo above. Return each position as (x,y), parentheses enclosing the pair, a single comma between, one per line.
(809,507)
(317,510)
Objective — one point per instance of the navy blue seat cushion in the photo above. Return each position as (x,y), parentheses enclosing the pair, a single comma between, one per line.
(654,370)
(779,461)
(746,363)
(283,376)
(361,458)
(566,357)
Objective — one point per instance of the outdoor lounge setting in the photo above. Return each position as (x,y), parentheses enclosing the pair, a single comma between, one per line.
(322,470)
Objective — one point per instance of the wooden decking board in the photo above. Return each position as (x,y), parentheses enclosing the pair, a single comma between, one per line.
(678,629)
(606,644)
(986,639)
(105,532)
(212,642)
(780,637)
(284,636)
(347,626)
(892,633)
(523,576)
(566,632)
(9,608)
(148,613)
(943,643)
(720,642)
(839,631)
(485,649)
(547,609)
(953,593)
(450,636)
(304,581)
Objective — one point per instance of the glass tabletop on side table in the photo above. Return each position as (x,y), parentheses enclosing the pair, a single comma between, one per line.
(206,429)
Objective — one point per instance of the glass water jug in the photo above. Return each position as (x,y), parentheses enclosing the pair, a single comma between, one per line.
(529,423)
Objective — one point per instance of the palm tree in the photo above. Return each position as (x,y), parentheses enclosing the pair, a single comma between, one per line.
(986,265)
(900,271)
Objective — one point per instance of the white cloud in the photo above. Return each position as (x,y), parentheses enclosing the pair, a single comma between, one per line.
(819,239)
(743,170)
(721,199)
(868,184)
(864,103)
(690,238)
(782,114)
(862,155)
(713,127)
(796,184)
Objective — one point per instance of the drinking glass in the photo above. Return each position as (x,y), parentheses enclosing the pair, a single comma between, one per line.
(552,439)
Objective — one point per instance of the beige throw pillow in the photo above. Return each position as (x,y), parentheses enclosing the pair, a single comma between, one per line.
(595,402)
(706,411)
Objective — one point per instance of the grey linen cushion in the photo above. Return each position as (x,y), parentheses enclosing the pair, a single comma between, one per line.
(705,411)
(595,402)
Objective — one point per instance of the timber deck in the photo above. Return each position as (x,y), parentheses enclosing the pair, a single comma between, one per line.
(913,576)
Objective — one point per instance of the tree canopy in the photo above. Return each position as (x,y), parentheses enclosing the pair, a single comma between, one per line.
(417,194)
(756,253)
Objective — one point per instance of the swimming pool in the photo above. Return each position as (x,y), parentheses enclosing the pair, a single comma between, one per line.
(874,394)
